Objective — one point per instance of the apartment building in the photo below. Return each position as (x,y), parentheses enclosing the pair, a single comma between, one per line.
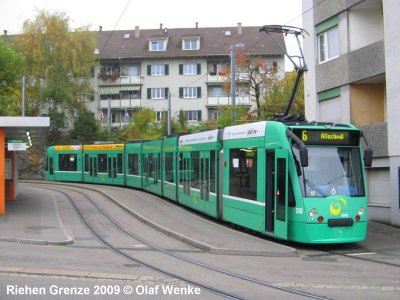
(353,58)
(140,68)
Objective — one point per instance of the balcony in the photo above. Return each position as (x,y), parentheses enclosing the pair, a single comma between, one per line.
(121,103)
(114,79)
(217,78)
(220,101)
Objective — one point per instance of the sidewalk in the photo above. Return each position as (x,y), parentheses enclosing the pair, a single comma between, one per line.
(33,218)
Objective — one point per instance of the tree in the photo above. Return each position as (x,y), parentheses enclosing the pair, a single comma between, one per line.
(143,126)
(277,97)
(85,126)
(58,62)
(255,75)
(259,74)
(11,70)
(57,124)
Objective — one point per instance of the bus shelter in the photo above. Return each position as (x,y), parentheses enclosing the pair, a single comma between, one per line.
(17,134)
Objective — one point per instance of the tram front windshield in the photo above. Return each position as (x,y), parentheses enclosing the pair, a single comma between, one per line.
(331,171)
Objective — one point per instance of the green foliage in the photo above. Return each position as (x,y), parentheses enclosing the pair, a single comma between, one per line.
(228,118)
(85,126)
(11,70)
(57,124)
(143,126)
(58,62)
(278,97)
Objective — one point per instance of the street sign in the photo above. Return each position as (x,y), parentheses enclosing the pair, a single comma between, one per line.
(16,145)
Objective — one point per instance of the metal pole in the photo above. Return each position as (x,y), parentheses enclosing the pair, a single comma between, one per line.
(23,97)
(233,80)
(169,115)
(109,117)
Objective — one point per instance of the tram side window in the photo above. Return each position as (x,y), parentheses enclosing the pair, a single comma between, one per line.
(102,163)
(119,164)
(181,169)
(67,162)
(212,171)
(243,173)
(195,174)
(86,162)
(133,164)
(169,167)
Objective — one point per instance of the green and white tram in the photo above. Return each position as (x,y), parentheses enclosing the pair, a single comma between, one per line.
(302,183)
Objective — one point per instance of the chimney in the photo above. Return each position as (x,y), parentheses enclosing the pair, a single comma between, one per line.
(5,32)
(100,28)
(160,26)
(239,29)
(197,25)
(137,32)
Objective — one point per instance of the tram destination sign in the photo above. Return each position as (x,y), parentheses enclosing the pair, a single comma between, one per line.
(328,137)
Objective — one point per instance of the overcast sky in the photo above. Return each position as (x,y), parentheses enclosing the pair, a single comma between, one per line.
(148,14)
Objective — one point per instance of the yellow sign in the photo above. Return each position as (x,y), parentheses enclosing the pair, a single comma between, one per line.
(337,205)
(104,147)
(68,148)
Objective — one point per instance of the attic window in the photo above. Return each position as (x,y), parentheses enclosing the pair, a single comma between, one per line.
(228,32)
(126,36)
(190,44)
(157,45)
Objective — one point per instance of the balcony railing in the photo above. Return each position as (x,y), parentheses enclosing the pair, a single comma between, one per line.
(111,79)
(239,100)
(121,103)
(216,78)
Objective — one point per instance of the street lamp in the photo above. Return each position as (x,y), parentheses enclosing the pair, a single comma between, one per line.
(233,77)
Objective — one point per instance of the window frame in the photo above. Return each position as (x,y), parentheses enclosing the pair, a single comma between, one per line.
(157,93)
(158,70)
(325,44)
(190,44)
(159,45)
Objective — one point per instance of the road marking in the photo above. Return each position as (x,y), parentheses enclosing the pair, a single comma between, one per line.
(359,254)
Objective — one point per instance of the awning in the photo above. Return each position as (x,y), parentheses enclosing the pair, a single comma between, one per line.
(116,89)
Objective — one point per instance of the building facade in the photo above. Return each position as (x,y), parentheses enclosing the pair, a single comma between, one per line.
(140,68)
(353,59)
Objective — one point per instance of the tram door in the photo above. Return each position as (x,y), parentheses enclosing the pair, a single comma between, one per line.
(185,170)
(281,194)
(115,168)
(90,168)
(204,180)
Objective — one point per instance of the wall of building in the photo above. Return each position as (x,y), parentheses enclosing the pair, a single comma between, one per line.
(361,86)
(391,10)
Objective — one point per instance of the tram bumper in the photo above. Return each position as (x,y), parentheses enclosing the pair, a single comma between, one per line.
(321,233)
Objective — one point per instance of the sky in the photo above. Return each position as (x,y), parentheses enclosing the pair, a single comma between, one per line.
(148,14)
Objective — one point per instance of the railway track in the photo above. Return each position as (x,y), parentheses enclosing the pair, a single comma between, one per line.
(85,206)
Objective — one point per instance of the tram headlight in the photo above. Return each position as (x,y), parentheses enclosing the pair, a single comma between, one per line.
(312,212)
(361,211)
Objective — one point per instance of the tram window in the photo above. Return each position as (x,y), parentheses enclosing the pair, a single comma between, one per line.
(212,171)
(195,174)
(169,167)
(86,162)
(291,199)
(243,173)
(133,164)
(181,168)
(119,163)
(281,209)
(67,162)
(102,163)
(47,163)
